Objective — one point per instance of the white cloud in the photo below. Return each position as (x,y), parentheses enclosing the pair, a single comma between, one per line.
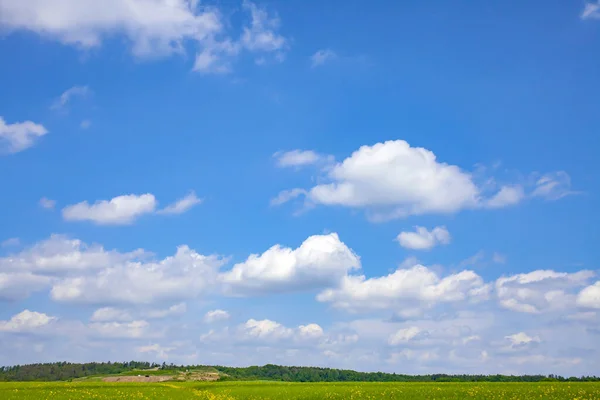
(392,174)
(121,210)
(265,329)
(110,314)
(287,195)
(182,205)
(261,35)
(63,100)
(521,338)
(405,290)
(154,28)
(423,239)
(591,11)
(131,330)
(19,285)
(216,315)
(590,296)
(540,291)
(85,124)
(47,203)
(507,196)
(271,333)
(300,158)
(124,210)
(176,309)
(212,60)
(59,254)
(553,186)
(187,274)
(321,57)
(310,331)
(26,321)
(404,335)
(465,341)
(319,261)
(20,135)
(394,180)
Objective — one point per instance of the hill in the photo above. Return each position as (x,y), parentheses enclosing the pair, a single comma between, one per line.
(62,371)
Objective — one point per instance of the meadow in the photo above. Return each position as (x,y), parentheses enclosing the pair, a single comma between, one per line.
(298,391)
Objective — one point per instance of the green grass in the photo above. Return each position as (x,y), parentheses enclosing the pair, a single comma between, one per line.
(291,391)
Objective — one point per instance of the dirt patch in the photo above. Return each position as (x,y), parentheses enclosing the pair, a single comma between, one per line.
(198,376)
(151,378)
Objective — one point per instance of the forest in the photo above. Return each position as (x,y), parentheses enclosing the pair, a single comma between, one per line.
(62,371)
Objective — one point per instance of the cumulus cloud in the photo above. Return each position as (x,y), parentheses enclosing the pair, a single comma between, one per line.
(59,254)
(265,329)
(394,180)
(124,210)
(26,321)
(590,296)
(393,174)
(541,290)
(407,290)
(320,260)
(187,274)
(78,272)
(321,57)
(422,239)
(216,315)
(182,205)
(20,285)
(310,331)
(19,136)
(154,28)
(65,98)
(121,210)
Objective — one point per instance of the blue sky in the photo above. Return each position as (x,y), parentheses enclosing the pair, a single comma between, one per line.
(400,187)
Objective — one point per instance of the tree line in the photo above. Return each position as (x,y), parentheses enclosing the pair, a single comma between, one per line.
(316,374)
(61,371)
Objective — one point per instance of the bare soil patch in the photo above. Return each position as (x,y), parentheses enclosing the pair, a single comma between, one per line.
(151,378)
(199,376)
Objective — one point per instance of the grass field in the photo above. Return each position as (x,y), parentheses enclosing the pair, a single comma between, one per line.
(276,390)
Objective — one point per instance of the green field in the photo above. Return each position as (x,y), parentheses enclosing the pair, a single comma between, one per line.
(277,390)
